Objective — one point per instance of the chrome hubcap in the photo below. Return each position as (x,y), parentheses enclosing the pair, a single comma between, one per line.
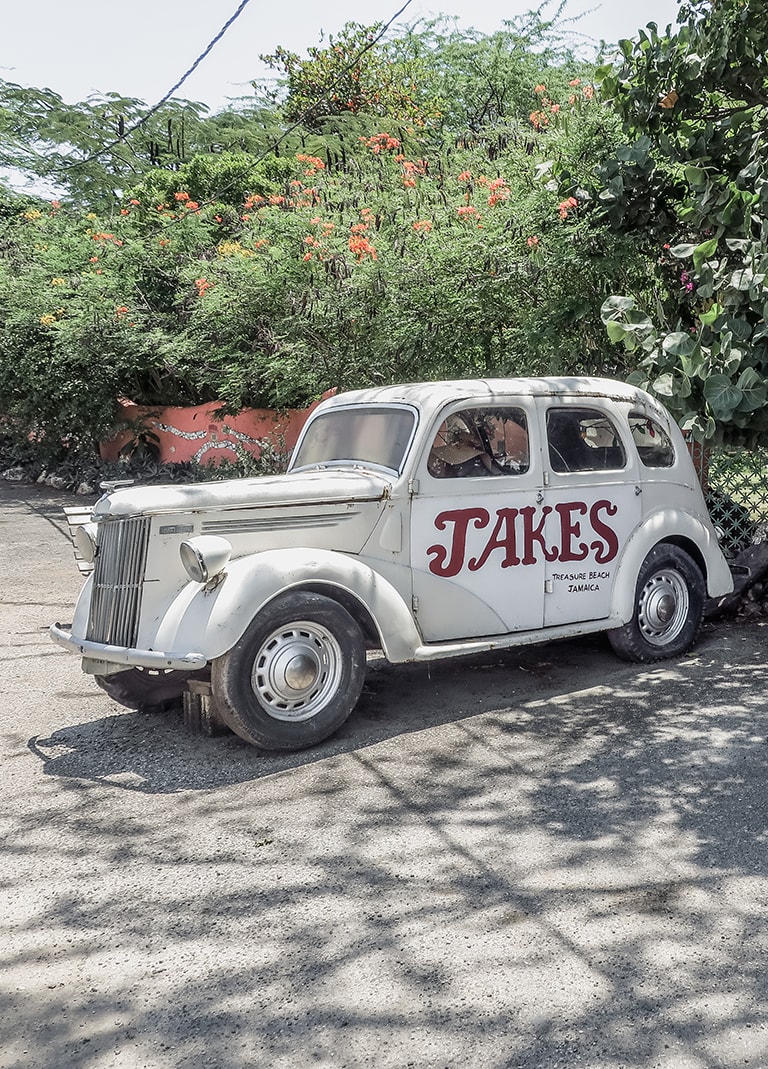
(301,672)
(297,671)
(663,607)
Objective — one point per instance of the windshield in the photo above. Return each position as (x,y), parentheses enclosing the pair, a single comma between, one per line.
(362,435)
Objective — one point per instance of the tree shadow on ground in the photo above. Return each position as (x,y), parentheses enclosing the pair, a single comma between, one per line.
(153,752)
(535,859)
(578,878)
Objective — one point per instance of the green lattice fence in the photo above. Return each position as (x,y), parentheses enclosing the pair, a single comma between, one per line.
(735,482)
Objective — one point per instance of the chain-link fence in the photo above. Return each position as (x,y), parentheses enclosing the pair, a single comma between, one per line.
(735,483)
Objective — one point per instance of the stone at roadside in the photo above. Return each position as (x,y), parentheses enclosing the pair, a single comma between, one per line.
(748,568)
(14,475)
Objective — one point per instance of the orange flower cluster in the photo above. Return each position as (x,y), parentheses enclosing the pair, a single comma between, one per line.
(532,242)
(539,120)
(540,117)
(499,191)
(314,163)
(381,143)
(361,247)
(327,227)
(565,206)
(423,226)
(121,310)
(411,169)
(467,210)
(106,237)
(316,243)
(202,285)
(182,197)
(587,92)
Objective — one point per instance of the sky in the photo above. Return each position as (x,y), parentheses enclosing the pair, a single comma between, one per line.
(141,49)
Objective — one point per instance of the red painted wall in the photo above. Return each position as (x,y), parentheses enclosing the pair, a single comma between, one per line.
(196,434)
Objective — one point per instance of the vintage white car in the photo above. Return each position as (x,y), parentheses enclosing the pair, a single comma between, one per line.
(425,521)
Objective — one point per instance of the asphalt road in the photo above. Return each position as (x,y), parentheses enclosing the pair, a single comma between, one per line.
(539,858)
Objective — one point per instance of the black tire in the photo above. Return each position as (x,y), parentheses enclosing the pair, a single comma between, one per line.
(669,607)
(144,688)
(295,675)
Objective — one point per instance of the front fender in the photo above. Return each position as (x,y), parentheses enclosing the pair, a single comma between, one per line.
(214,618)
(667,525)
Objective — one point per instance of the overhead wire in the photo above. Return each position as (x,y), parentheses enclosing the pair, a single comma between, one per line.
(155,108)
(308,109)
(278,140)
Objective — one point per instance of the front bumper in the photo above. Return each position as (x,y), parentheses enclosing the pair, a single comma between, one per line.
(123,655)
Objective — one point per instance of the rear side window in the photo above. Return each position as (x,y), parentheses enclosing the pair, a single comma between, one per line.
(653,444)
(583,439)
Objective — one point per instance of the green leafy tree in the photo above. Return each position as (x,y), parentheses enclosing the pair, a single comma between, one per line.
(360,250)
(699,96)
(354,73)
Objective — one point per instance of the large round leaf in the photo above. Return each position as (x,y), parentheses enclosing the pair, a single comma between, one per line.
(723,396)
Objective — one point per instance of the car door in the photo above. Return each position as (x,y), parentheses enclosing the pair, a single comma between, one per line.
(477,568)
(591,501)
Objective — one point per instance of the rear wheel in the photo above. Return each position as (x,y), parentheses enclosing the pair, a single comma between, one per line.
(669,606)
(295,675)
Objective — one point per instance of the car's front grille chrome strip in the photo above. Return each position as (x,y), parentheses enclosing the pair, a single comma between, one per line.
(117,581)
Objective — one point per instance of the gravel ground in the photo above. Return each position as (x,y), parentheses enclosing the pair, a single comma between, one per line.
(538,858)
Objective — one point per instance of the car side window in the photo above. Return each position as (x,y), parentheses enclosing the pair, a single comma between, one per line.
(480,442)
(583,439)
(651,440)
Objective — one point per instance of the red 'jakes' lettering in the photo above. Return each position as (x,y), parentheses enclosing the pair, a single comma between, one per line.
(519,531)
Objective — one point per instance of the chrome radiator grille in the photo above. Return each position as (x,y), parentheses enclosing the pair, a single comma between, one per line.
(117,581)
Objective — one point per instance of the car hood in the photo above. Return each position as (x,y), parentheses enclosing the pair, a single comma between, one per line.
(309,488)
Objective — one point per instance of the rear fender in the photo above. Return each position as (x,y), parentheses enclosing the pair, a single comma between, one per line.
(679,528)
(214,617)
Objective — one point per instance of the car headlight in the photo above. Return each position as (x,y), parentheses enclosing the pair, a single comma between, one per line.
(204,557)
(85,540)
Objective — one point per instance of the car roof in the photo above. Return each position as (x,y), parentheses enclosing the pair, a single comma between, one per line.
(433,395)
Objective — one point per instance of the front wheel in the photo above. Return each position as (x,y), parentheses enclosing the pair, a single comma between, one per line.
(295,675)
(669,607)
